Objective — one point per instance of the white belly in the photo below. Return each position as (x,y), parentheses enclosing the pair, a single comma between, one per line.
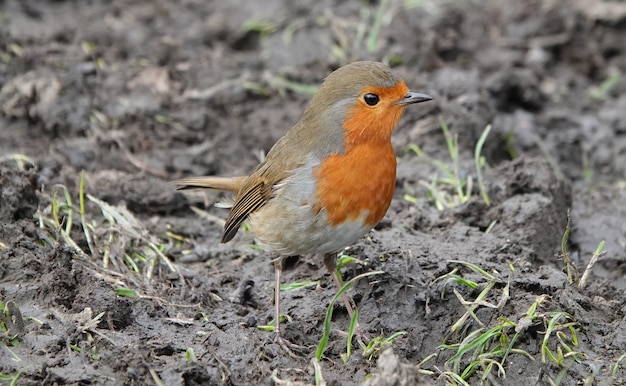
(301,232)
(288,224)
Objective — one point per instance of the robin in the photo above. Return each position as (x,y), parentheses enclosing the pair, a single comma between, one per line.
(330,179)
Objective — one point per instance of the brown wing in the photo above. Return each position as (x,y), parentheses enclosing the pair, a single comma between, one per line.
(250,199)
(285,156)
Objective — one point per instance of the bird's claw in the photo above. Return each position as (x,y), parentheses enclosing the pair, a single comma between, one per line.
(288,346)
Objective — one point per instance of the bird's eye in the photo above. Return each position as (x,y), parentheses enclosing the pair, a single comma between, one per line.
(371,99)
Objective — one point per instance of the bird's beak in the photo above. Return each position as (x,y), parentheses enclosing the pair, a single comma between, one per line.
(414,97)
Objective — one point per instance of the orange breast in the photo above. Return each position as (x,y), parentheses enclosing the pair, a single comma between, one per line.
(362,179)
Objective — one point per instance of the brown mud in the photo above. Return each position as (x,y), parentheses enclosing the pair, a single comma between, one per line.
(137,93)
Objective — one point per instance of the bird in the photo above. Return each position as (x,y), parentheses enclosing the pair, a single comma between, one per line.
(329,180)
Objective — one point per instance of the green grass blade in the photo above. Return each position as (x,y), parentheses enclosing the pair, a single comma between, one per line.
(372,39)
(353,323)
(477,161)
(329,311)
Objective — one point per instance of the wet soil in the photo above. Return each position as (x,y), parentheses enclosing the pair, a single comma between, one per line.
(138,93)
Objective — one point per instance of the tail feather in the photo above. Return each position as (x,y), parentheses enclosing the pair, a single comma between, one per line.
(228,184)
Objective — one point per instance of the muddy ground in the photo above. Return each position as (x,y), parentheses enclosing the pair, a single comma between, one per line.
(137,93)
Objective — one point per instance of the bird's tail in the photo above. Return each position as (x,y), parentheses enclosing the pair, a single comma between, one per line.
(228,184)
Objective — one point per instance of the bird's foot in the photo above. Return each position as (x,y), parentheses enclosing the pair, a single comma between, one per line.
(359,334)
(288,346)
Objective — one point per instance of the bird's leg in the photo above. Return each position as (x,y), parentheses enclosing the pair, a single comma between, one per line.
(285,344)
(330,261)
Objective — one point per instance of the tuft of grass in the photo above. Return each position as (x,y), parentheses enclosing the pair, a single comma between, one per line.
(96,230)
(485,350)
(453,277)
(557,325)
(476,354)
(142,253)
(454,174)
(471,306)
(452,189)
(57,219)
(321,347)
